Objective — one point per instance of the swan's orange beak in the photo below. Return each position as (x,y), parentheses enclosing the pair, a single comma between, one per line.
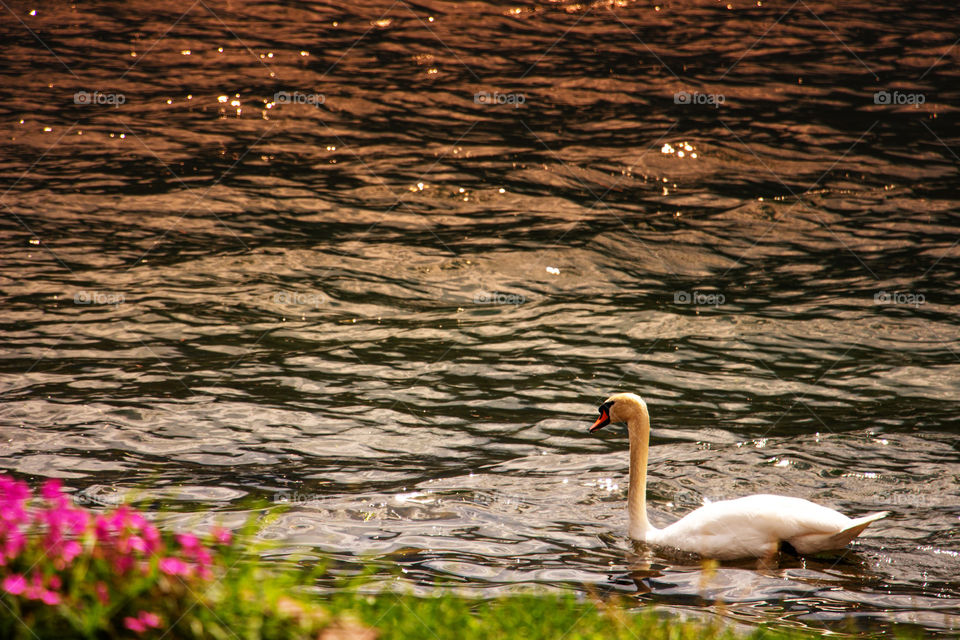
(604,418)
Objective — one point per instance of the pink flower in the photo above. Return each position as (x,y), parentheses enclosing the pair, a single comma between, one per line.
(51,489)
(70,550)
(144,620)
(149,619)
(14,543)
(77,520)
(102,528)
(12,512)
(174,566)
(222,536)
(151,537)
(136,521)
(15,584)
(123,563)
(37,591)
(64,532)
(203,557)
(118,519)
(134,624)
(102,594)
(61,549)
(194,550)
(12,490)
(188,541)
(136,543)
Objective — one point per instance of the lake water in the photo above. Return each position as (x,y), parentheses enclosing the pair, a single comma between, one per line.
(377,264)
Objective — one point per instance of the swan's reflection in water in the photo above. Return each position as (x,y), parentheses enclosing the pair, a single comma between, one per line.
(747,591)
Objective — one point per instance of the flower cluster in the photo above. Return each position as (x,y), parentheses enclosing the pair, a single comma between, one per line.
(55,554)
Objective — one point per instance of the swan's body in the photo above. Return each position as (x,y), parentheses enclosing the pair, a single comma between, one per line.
(753,526)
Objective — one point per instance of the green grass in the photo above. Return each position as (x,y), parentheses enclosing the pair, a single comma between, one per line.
(527,616)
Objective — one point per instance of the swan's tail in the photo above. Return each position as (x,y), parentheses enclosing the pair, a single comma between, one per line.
(815,542)
(843,538)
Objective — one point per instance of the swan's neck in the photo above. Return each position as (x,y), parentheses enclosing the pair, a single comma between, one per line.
(639,430)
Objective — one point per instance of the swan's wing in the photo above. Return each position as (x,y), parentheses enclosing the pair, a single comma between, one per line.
(750,527)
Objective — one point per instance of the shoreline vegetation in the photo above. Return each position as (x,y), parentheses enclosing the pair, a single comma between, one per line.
(67,572)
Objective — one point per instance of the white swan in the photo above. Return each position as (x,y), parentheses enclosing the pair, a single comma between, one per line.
(750,527)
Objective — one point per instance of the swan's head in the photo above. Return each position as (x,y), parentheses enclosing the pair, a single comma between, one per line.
(621,407)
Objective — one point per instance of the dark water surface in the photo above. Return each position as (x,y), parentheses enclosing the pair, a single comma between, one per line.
(392,296)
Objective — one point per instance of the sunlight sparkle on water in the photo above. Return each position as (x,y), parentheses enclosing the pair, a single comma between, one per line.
(681,150)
